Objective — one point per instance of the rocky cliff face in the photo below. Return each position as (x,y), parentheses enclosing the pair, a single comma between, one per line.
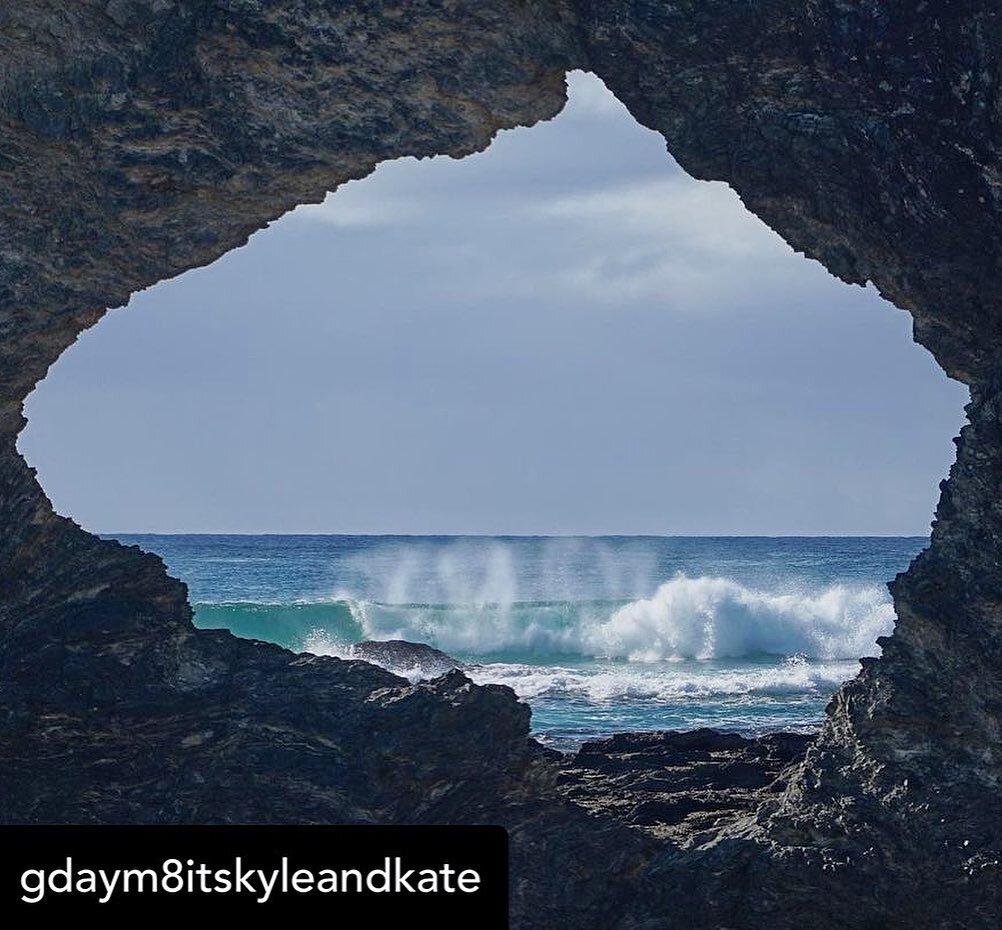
(145,137)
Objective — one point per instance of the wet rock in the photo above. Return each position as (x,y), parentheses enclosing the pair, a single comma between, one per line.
(405,658)
(141,139)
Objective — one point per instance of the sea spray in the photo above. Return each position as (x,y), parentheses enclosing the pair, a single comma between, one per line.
(687,618)
(598,635)
(707,618)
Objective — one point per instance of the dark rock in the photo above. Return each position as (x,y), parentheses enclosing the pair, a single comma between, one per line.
(679,783)
(659,742)
(143,139)
(404,658)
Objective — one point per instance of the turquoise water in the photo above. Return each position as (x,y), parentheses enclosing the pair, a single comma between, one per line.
(596,634)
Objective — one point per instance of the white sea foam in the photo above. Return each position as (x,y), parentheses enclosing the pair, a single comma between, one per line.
(604,684)
(703,618)
(686,618)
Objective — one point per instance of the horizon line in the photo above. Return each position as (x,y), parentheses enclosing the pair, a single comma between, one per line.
(482,535)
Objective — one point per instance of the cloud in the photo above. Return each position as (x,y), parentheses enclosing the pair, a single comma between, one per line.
(706,215)
(355,206)
(580,149)
(693,241)
(563,333)
(560,213)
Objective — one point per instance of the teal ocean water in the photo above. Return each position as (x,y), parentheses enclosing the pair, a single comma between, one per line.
(596,634)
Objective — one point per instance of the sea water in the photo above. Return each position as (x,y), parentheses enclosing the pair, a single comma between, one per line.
(596,634)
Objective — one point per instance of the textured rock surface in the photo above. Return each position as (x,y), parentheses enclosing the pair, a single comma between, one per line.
(145,137)
(680,785)
(412,660)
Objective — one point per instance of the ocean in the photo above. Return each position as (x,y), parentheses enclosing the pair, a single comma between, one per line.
(596,634)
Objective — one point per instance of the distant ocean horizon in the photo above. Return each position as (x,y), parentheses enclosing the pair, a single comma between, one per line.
(598,634)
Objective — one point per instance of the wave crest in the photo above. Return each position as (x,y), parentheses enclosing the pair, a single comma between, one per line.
(686,618)
(716,618)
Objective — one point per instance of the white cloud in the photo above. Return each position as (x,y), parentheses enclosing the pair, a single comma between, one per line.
(705,215)
(670,238)
(359,205)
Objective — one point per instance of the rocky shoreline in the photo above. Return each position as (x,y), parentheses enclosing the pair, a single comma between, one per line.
(142,138)
(680,785)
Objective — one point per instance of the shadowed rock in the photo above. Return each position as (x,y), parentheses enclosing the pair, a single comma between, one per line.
(678,784)
(147,137)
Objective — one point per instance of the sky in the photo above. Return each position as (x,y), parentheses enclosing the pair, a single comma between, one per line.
(564,334)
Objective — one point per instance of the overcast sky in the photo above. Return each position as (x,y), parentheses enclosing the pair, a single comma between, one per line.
(564,334)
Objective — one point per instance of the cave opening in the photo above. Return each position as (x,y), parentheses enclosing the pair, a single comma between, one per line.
(659,465)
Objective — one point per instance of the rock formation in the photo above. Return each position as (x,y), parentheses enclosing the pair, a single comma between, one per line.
(677,785)
(145,137)
(412,660)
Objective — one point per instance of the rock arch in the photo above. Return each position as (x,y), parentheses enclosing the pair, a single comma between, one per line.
(146,137)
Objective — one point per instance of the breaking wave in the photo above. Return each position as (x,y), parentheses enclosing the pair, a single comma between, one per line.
(785,680)
(702,618)
(715,618)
